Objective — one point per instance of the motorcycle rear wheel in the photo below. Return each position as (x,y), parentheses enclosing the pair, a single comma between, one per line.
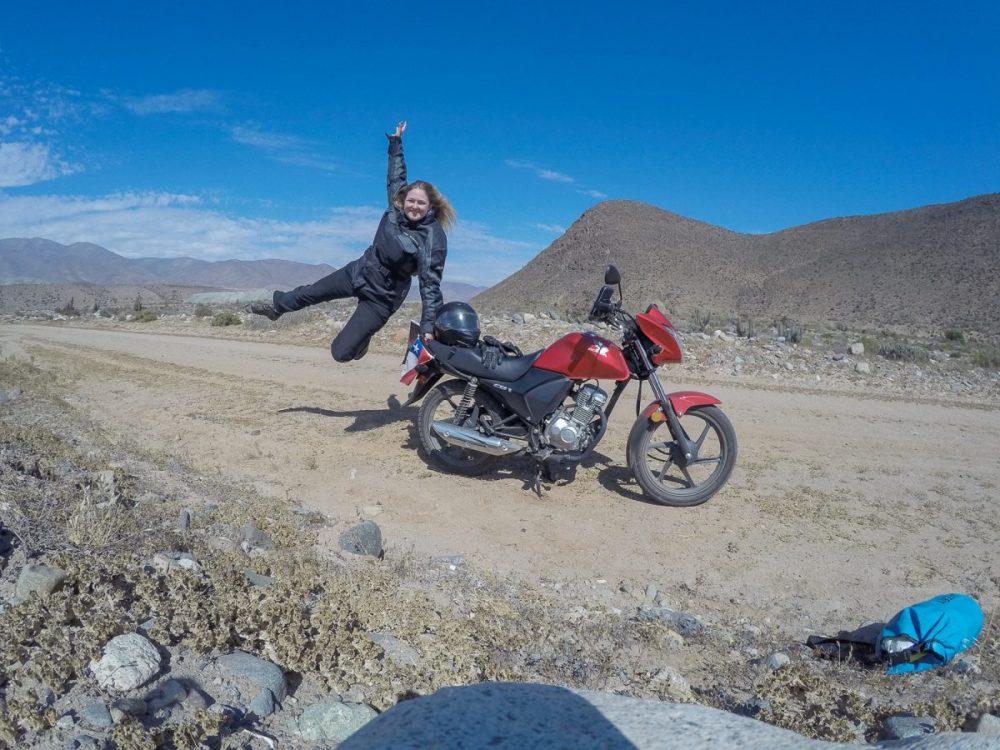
(668,481)
(440,404)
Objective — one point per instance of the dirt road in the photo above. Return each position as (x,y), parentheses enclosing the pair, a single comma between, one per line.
(842,507)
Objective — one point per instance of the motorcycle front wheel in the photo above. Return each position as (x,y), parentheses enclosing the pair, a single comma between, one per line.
(440,405)
(660,468)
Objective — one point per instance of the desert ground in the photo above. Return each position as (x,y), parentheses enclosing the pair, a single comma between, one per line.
(845,505)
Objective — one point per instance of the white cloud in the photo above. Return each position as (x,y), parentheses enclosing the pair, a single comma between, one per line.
(24,163)
(287,149)
(541,173)
(184,101)
(593,194)
(173,225)
(550,228)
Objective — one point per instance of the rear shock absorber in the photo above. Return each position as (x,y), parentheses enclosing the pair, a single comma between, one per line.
(468,398)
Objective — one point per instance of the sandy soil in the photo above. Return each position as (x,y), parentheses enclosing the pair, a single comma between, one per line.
(842,508)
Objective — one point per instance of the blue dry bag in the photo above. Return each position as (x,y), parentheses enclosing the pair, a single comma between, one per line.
(929,634)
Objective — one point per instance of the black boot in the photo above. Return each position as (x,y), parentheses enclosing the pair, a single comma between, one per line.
(263,308)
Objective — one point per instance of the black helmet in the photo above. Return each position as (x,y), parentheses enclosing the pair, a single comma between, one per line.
(457,324)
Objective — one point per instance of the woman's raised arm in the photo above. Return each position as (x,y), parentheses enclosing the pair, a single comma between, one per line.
(397,166)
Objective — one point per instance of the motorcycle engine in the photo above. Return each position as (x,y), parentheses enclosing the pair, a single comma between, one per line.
(567,427)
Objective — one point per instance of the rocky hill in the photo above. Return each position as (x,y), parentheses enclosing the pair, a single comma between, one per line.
(41,261)
(927,267)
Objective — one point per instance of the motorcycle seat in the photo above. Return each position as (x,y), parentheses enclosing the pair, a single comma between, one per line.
(469,360)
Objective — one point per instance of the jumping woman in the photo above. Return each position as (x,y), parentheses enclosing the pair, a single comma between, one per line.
(410,241)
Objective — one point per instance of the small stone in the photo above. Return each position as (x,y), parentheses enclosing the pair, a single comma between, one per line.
(676,686)
(184,520)
(259,684)
(682,622)
(364,538)
(968,665)
(197,700)
(254,537)
(9,394)
(863,367)
(85,742)
(130,706)
(857,348)
(650,595)
(988,725)
(167,694)
(754,707)
(332,721)
(777,660)
(66,721)
(902,726)
(517,318)
(95,715)
(789,366)
(839,356)
(263,704)
(400,653)
(370,511)
(529,318)
(257,580)
(39,579)
(128,662)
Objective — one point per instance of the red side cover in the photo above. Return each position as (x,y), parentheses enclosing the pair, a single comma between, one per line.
(584,356)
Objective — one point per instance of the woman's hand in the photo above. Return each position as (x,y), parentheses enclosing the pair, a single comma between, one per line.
(428,337)
(400,127)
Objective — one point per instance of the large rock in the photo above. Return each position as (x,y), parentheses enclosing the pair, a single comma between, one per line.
(259,684)
(364,538)
(504,716)
(128,661)
(39,579)
(332,721)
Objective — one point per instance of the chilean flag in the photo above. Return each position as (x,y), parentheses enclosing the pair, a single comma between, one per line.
(416,355)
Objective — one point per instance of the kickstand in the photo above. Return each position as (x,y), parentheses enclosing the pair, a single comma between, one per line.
(537,484)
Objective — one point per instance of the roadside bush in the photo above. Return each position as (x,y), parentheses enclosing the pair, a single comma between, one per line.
(69,309)
(988,357)
(203,311)
(954,334)
(226,318)
(745,328)
(901,351)
(789,329)
(145,316)
(701,320)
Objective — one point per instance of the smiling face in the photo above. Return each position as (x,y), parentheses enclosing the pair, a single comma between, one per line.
(416,204)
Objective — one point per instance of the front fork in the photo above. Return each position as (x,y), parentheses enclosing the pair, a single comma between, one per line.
(687,448)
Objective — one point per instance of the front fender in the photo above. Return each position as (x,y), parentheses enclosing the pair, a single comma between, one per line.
(681,401)
(422,388)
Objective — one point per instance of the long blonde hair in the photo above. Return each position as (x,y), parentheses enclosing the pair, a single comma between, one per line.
(443,211)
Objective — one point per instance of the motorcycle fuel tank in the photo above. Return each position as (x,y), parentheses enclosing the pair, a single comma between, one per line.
(584,356)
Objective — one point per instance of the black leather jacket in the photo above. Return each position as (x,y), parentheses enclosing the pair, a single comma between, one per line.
(402,249)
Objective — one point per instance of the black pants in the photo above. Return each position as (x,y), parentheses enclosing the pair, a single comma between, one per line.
(352,341)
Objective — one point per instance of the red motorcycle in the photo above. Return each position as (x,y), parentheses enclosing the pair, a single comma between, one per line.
(681,449)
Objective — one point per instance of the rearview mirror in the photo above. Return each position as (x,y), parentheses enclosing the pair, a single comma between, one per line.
(611,276)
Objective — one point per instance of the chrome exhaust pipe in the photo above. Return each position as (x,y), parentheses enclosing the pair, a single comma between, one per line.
(464,437)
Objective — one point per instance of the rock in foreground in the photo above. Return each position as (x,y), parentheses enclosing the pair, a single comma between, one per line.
(529,716)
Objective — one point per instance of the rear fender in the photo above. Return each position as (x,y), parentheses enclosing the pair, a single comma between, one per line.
(681,401)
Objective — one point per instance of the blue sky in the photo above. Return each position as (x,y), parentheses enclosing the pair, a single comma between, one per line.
(255,130)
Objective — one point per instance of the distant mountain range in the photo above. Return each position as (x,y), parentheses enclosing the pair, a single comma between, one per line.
(928,267)
(41,261)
